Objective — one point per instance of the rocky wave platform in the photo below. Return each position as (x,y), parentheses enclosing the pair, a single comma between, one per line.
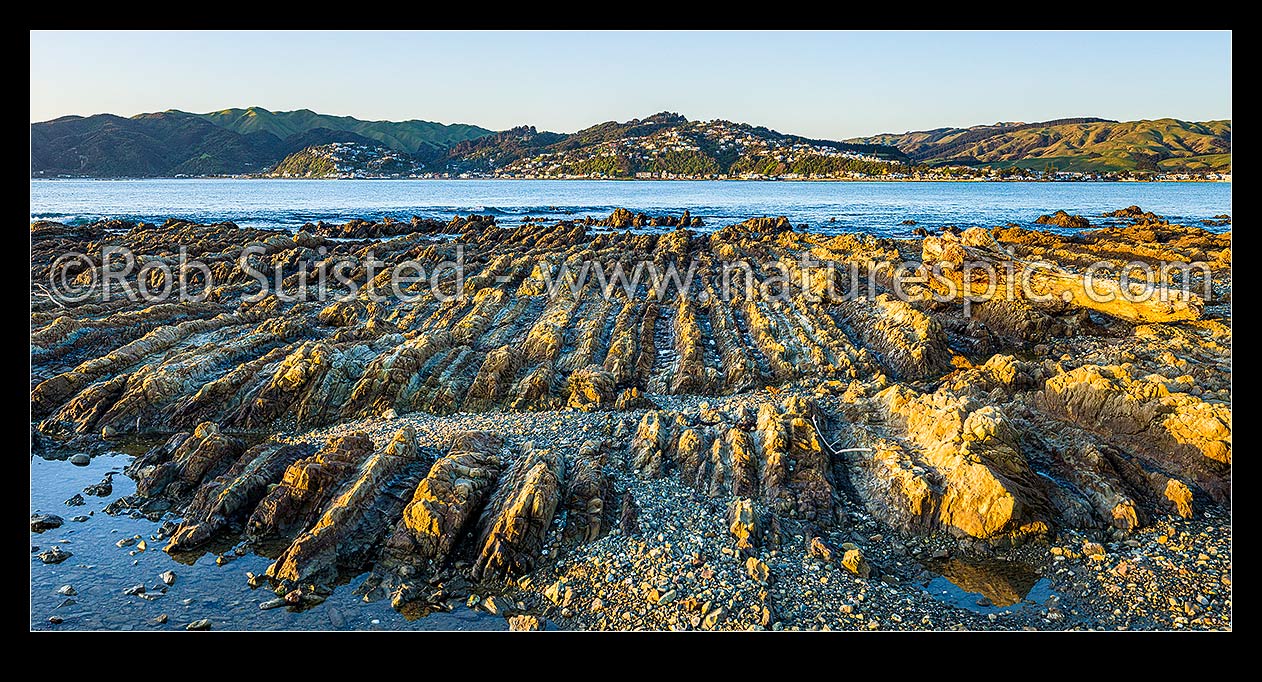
(666,457)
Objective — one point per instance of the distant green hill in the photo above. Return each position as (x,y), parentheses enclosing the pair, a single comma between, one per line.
(233,141)
(666,145)
(347,160)
(405,136)
(1073,145)
(148,145)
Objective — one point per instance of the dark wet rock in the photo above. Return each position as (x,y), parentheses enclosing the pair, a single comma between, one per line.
(230,499)
(103,489)
(75,501)
(43,522)
(273,604)
(629,516)
(202,456)
(354,522)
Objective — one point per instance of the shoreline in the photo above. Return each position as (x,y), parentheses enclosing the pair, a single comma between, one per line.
(794,180)
(925,582)
(510,458)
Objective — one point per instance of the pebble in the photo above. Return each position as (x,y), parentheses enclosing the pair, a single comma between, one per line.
(80,459)
(757,570)
(167,577)
(203,624)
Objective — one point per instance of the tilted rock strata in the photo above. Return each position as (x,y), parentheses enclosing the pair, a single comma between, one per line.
(353,522)
(996,421)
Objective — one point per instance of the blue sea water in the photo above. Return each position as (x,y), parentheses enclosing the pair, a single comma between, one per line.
(875,207)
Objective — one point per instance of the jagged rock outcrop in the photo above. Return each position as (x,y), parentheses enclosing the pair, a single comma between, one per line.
(528,335)
(306,485)
(1177,430)
(976,267)
(622,218)
(797,403)
(985,487)
(587,503)
(1134,213)
(353,522)
(443,506)
(367,229)
(781,460)
(515,521)
(231,497)
(591,388)
(1062,219)
(170,474)
(908,342)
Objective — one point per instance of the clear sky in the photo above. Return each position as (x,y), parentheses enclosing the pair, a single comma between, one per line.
(828,84)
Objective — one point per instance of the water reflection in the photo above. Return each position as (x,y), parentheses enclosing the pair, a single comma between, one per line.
(987,586)
(99,571)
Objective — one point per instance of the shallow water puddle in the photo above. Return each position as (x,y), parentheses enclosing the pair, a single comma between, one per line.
(99,571)
(988,586)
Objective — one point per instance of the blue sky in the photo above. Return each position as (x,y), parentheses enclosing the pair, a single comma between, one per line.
(831,85)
